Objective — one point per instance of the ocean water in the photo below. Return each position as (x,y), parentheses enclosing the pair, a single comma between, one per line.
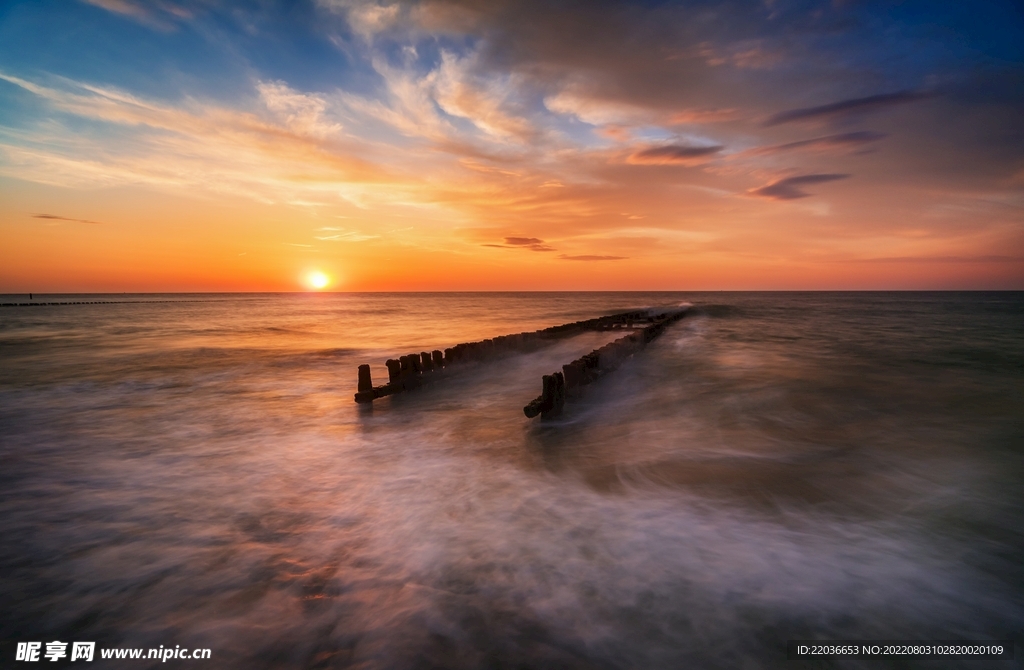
(192,470)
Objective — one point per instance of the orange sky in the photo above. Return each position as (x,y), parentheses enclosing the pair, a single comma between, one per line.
(439,154)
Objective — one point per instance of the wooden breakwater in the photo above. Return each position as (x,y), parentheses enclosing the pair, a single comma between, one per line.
(413,370)
(557,387)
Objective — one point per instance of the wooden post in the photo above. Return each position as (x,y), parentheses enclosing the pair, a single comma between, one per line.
(545,403)
(572,375)
(364,391)
(557,396)
(438,358)
(394,370)
(409,374)
(551,400)
(365,382)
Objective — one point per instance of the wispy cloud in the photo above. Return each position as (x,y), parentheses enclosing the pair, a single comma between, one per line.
(845,108)
(347,237)
(367,18)
(789,188)
(588,257)
(986,258)
(598,110)
(159,15)
(531,243)
(702,116)
(191,144)
(485,102)
(840,141)
(523,241)
(54,217)
(744,54)
(673,154)
(301,113)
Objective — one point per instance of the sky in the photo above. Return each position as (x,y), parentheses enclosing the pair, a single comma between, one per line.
(368,145)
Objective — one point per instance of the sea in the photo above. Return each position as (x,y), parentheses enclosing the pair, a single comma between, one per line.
(190,471)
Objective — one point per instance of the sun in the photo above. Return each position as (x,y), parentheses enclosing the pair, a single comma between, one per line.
(317,280)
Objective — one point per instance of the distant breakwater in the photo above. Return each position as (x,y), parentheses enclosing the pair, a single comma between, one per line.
(89,302)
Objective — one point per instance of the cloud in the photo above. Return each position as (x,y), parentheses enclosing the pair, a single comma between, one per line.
(743,54)
(847,107)
(191,144)
(366,18)
(701,116)
(616,117)
(486,103)
(61,218)
(789,188)
(840,141)
(987,258)
(595,110)
(531,243)
(406,104)
(123,7)
(587,257)
(673,154)
(303,113)
(160,16)
(523,241)
(479,167)
(346,237)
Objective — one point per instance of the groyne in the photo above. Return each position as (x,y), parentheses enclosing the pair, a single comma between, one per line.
(559,386)
(416,369)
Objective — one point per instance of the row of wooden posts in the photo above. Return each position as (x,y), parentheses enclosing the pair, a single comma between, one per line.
(557,387)
(413,370)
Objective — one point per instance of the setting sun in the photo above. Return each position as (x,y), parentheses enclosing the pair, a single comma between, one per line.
(317,280)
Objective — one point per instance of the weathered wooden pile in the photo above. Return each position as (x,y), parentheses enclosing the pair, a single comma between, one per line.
(557,387)
(413,370)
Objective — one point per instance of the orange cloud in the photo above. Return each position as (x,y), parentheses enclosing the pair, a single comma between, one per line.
(531,243)
(701,116)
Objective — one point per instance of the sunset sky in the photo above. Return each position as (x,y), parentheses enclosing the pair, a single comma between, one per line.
(198,145)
